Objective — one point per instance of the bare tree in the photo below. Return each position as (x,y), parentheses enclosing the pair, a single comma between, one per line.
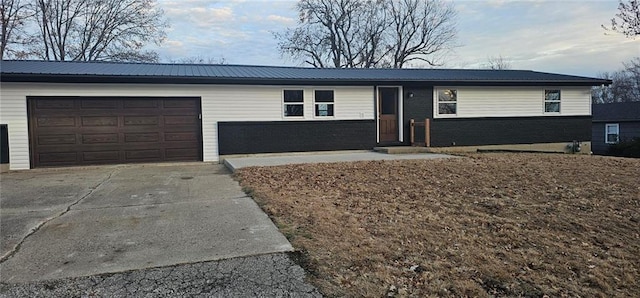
(420,29)
(344,33)
(200,60)
(625,86)
(15,15)
(88,30)
(369,33)
(497,63)
(627,20)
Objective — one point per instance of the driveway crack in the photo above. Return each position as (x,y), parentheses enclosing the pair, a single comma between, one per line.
(163,203)
(35,229)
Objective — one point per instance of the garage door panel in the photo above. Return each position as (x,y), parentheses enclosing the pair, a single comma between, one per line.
(99,104)
(48,121)
(141,120)
(104,130)
(180,136)
(54,158)
(180,153)
(55,104)
(180,120)
(141,137)
(99,121)
(178,128)
(87,130)
(183,144)
(171,103)
(179,111)
(57,139)
(102,156)
(141,103)
(103,138)
(148,154)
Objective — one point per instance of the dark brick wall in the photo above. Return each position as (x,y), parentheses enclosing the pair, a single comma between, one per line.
(4,144)
(295,136)
(509,130)
(418,107)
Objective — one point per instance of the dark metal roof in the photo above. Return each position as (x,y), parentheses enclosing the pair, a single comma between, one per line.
(112,72)
(621,111)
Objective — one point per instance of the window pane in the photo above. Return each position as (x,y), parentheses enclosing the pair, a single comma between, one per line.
(324,110)
(387,105)
(552,107)
(551,94)
(612,129)
(293,96)
(446,108)
(447,95)
(612,138)
(293,110)
(324,96)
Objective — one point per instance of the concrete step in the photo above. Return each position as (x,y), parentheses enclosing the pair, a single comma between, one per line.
(402,150)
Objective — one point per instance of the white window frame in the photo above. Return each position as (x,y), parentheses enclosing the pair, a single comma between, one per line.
(545,101)
(284,104)
(606,133)
(315,104)
(436,106)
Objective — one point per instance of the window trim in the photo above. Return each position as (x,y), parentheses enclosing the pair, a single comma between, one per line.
(606,133)
(545,101)
(436,106)
(284,104)
(315,103)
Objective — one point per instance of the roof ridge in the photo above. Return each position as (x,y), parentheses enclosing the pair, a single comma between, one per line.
(265,66)
(150,63)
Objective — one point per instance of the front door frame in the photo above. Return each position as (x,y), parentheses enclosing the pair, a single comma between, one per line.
(399,112)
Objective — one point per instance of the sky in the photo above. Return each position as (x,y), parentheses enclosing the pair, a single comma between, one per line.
(543,35)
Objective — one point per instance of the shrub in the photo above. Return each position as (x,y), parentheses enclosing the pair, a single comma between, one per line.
(626,148)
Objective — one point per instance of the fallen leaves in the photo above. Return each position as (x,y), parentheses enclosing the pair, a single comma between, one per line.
(484,225)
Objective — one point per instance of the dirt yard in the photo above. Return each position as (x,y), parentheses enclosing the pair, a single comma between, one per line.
(530,225)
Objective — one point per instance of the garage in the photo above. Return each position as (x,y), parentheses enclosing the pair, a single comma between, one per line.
(67,131)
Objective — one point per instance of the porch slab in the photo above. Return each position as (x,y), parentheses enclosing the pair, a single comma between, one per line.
(402,150)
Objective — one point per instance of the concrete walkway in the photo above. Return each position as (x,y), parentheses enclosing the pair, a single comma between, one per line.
(234,163)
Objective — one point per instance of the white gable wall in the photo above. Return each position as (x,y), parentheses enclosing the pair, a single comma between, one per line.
(219,103)
(515,101)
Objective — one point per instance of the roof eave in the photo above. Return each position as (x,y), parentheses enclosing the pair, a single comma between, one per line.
(49,78)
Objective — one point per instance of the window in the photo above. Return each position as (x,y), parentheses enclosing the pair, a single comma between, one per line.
(447,101)
(611,133)
(552,101)
(324,103)
(293,103)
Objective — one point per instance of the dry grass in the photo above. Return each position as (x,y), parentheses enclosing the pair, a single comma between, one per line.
(484,225)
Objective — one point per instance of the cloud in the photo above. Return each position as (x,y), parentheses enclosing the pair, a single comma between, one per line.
(281,19)
(201,16)
(496,3)
(174,48)
(174,43)
(563,37)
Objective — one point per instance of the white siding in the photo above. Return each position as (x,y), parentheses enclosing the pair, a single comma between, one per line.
(575,101)
(13,112)
(515,102)
(219,103)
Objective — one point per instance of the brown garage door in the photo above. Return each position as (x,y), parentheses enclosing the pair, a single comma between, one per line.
(112,130)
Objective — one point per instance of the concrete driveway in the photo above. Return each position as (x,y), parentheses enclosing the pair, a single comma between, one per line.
(72,222)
